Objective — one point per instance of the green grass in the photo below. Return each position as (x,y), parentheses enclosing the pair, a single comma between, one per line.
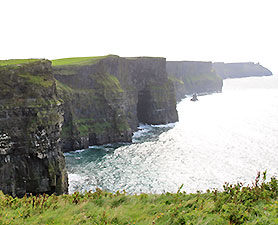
(77,61)
(16,61)
(110,83)
(85,126)
(65,71)
(38,80)
(63,87)
(175,80)
(237,204)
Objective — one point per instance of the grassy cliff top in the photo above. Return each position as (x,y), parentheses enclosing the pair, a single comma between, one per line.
(17,61)
(79,60)
(236,204)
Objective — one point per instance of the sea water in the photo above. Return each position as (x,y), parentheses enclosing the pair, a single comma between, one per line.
(223,137)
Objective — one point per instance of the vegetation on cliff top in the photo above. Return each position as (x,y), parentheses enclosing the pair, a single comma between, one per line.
(78,61)
(29,84)
(16,61)
(237,204)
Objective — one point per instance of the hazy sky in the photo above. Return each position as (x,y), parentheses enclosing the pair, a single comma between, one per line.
(211,30)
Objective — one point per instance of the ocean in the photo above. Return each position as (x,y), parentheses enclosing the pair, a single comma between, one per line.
(223,137)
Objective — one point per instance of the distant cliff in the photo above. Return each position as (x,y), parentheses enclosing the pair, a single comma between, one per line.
(193,77)
(105,98)
(237,70)
(31,116)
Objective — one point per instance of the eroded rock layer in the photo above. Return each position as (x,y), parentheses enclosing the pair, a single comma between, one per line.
(31,117)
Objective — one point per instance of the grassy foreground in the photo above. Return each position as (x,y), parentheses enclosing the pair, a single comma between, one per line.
(256,204)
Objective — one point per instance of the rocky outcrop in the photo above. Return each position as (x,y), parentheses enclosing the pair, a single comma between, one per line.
(105,98)
(237,70)
(193,77)
(31,117)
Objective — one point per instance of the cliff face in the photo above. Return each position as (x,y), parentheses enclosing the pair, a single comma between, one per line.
(31,117)
(237,70)
(193,77)
(106,98)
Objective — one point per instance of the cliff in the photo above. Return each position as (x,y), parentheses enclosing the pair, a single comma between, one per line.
(237,70)
(31,116)
(92,101)
(193,77)
(105,98)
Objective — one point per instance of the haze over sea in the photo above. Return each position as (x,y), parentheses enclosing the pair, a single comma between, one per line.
(224,137)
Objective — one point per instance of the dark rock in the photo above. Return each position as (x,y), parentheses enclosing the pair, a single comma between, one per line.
(194,98)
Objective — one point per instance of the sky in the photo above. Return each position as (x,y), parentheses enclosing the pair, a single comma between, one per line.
(198,30)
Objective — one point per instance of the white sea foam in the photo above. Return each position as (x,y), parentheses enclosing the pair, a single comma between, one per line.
(73,152)
(168,125)
(142,130)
